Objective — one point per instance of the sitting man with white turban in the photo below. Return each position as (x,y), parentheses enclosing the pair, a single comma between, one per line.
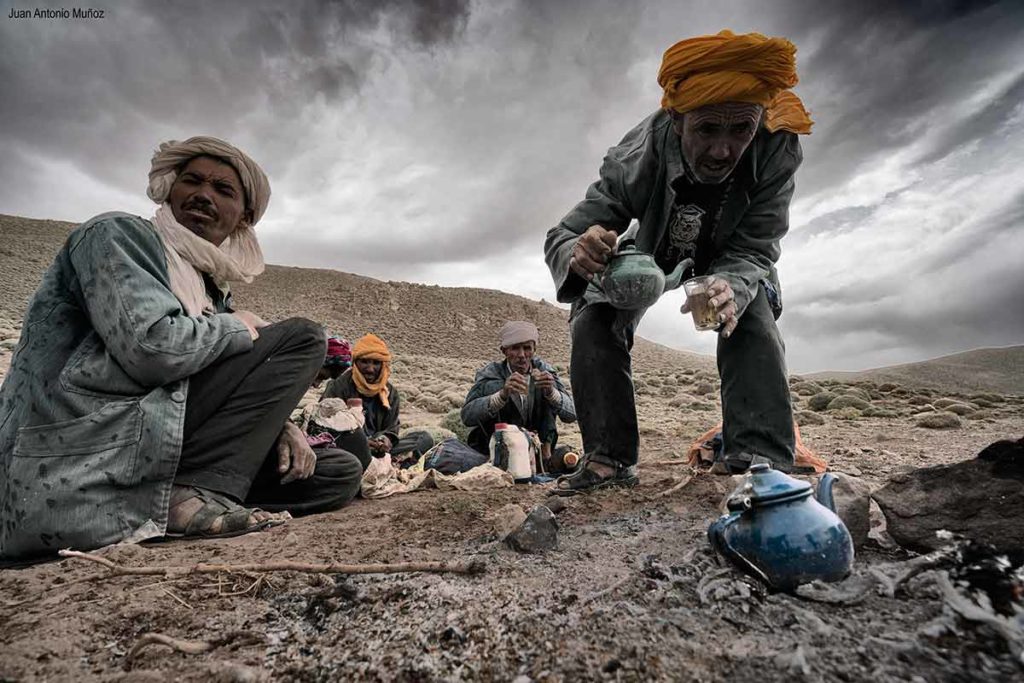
(521,390)
(139,403)
(708,177)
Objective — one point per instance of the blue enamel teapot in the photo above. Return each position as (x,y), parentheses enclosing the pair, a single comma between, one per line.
(780,533)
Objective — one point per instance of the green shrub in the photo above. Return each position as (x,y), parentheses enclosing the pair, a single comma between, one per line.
(453,423)
(939,421)
(820,401)
(847,401)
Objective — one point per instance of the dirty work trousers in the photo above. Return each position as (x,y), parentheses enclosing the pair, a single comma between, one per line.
(235,411)
(756,412)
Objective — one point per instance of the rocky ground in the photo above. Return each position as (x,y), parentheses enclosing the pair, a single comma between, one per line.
(631,592)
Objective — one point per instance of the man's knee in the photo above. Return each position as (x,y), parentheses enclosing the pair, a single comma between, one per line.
(340,473)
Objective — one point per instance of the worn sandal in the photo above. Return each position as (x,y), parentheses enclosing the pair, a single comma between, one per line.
(586,480)
(235,518)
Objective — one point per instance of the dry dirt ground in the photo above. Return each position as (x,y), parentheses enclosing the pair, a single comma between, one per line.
(632,591)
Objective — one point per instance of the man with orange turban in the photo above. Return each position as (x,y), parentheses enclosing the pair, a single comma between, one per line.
(709,178)
(369,380)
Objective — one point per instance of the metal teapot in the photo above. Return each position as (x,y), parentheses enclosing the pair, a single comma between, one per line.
(776,531)
(632,280)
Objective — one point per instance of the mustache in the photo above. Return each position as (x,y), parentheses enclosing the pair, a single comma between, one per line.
(202,207)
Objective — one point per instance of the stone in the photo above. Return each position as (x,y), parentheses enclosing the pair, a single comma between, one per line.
(537,534)
(991,487)
(507,519)
(556,504)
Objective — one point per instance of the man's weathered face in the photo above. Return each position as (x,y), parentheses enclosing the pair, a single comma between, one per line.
(520,356)
(715,137)
(370,369)
(208,199)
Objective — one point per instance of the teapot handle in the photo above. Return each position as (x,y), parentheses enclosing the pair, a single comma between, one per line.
(716,535)
(824,493)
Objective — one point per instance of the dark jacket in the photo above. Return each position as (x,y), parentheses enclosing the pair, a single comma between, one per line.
(636,183)
(476,413)
(380,421)
(93,406)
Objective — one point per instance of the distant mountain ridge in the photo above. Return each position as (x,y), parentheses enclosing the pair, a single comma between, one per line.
(998,369)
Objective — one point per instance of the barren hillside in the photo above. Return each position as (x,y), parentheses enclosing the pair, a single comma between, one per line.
(999,369)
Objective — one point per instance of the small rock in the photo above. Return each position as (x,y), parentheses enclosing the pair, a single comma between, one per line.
(537,534)
(556,504)
(507,519)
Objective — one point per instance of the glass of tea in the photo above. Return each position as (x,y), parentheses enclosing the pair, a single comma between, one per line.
(705,317)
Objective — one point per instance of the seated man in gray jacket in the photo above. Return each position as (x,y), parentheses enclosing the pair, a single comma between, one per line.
(139,402)
(521,389)
(708,177)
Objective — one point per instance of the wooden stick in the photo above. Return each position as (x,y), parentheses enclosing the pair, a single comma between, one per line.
(474,566)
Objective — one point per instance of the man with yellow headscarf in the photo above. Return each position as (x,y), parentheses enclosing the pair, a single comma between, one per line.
(369,381)
(709,178)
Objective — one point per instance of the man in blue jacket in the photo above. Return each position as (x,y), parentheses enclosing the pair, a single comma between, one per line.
(521,389)
(709,176)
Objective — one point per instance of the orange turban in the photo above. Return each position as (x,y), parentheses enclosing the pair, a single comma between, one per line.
(730,68)
(372,347)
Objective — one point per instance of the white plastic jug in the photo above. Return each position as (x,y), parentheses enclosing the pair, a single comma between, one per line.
(510,451)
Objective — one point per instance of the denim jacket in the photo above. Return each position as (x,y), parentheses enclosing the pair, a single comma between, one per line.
(636,183)
(92,408)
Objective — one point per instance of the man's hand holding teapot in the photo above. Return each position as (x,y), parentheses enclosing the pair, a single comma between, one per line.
(592,251)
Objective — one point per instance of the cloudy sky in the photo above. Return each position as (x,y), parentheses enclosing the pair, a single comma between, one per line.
(437,142)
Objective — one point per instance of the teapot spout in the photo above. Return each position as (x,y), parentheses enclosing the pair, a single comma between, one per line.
(675,278)
(824,492)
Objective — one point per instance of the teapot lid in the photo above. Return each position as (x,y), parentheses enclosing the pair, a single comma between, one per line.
(763,485)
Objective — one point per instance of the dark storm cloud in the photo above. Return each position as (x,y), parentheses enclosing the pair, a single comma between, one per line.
(879,70)
(182,67)
(439,140)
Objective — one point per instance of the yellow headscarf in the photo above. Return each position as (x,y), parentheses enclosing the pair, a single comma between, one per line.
(372,347)
(735,68)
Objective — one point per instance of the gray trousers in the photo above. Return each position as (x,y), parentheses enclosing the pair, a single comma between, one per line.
(756,412)
(237,407)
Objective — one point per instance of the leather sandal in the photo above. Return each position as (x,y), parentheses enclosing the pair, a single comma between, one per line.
(586,480)
(234,517)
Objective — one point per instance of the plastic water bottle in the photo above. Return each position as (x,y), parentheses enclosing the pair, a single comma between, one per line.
(510,450)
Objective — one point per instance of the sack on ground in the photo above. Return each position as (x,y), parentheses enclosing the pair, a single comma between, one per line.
(451,456)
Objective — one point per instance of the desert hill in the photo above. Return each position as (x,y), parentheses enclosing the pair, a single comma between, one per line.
(421,320)
(997,369)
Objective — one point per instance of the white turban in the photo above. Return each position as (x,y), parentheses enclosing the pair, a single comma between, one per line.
(172,154)
(516,332)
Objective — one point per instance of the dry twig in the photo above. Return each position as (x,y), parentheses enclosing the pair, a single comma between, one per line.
(474,566)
